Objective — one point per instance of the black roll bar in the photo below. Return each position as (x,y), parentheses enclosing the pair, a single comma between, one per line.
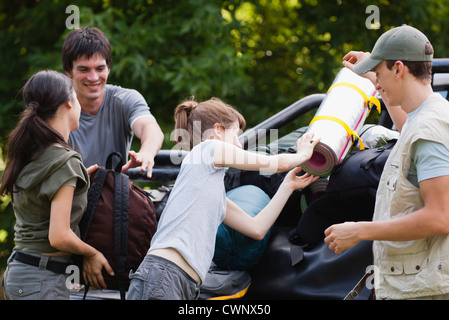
(167,162)
(280,119)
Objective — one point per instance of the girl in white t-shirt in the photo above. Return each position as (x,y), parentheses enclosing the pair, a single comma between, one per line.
(182,249)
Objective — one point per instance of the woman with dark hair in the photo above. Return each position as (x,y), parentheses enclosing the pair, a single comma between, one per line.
(48,184)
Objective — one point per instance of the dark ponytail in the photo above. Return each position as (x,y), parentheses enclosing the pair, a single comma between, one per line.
(43,93)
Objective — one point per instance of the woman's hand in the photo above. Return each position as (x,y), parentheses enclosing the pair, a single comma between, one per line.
(92,169)
(294,182)
(306,144)
(92,269)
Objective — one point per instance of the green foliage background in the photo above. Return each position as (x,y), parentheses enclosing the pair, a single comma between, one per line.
(260,56)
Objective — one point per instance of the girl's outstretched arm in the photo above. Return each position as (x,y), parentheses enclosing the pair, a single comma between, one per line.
(258,226)
(229,155)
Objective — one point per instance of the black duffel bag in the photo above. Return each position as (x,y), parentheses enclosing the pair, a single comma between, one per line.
(350,195)
(287,272)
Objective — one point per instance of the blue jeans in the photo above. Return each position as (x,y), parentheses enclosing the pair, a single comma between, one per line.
(160,279)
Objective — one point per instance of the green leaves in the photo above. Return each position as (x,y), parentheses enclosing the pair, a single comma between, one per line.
(260,56)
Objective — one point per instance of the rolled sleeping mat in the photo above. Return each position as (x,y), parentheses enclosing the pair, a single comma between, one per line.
(341,114)
(315,190)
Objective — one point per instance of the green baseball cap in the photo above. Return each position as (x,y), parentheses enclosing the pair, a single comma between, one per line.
(403,43)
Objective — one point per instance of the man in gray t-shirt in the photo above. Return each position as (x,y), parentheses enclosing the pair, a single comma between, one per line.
(111,126)
(110,115)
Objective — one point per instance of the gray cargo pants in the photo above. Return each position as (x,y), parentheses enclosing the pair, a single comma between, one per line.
(160,279)
(25,282)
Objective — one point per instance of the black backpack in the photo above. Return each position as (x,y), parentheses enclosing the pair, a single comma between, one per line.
(119,221)
(350,195)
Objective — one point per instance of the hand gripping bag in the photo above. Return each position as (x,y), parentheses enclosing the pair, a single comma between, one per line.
(120,221)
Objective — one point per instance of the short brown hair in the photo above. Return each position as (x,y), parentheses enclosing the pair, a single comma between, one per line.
(422,70)
(85,41)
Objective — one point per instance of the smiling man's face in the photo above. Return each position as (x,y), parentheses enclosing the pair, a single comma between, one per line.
(89,78)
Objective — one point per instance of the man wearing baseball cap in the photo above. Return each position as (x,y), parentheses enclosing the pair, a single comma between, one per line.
(411,219)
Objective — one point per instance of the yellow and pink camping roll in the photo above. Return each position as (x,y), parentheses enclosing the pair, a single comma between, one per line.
(341,114)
